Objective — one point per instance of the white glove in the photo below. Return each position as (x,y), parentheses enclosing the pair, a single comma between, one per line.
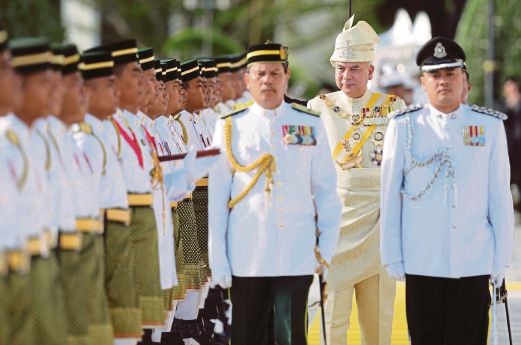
(497,276)
(196,168)
(323,271)
(396,271)
(223,280)
(176,185)
(189,162)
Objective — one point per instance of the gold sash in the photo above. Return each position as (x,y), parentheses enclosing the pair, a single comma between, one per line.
(355,153)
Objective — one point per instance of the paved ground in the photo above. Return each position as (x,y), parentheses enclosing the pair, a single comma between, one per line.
(400,326)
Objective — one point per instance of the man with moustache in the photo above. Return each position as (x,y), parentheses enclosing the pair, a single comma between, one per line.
(356,120)
(271,195)
(447,215)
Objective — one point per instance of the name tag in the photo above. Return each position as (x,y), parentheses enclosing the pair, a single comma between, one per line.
(474,136)
(299,135)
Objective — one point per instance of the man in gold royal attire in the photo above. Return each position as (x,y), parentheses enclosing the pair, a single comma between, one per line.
(355,119)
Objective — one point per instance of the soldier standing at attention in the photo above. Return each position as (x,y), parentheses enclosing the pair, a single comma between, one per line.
(447,214)
(270,195)
(356,120)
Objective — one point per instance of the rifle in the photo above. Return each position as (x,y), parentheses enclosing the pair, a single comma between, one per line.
(200,154)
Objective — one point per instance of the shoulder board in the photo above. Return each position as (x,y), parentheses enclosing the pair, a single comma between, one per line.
(404,111)
(303,109)
(82,127)
(489,112)
(239,106)
(233,113)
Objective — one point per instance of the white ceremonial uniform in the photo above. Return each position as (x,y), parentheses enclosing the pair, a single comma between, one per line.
(185,119)
(222,108)
(112,190)
(86,198)
(201,129)
(175,174)
(14,180)
(272,235)
(95,153)
(210,117)
(446,204)
(54,174)
(63,155)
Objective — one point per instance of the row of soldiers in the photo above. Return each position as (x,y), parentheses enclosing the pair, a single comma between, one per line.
(104,230)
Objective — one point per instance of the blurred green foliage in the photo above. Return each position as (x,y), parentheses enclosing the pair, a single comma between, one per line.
(472,35)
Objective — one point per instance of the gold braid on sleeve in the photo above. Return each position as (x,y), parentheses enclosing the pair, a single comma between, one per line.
(265,164)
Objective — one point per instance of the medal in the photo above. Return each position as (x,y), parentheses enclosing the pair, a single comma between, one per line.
(376,156)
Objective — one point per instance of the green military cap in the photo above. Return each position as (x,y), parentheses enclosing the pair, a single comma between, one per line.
(65,58)
(238,61)
(146,58)
(158,69)
(123,52)
(224,63)
(189,70)
(267,52)
(30,54)
(208,67)
(170,71)
(96,64)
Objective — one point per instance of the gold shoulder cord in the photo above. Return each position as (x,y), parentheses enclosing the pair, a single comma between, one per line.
(13,138)
(185,132)
(48,162)
(265,165)
(118,136)
(87,129)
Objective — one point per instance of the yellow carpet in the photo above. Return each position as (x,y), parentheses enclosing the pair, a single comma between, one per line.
(399,336)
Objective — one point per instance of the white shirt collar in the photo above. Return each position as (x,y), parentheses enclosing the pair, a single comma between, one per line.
(257,109)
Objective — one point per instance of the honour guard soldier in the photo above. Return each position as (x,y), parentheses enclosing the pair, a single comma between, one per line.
(78,193)
(73,271)
(16,195)
(96,69)
(270,195)
(447,214)
(356,119)
(31,58)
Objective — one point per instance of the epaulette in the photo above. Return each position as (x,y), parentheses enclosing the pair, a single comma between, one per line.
(409,109)
(489,112)
(239,106)
(233,113)
(303,109)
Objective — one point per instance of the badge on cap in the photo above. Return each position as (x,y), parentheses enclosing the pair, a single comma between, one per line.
(347,52)
(474,136)
(439,51)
